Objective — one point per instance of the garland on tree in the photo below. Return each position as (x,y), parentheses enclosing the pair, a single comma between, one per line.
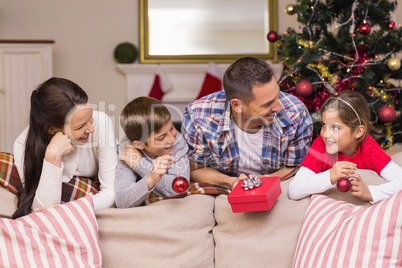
(346,45)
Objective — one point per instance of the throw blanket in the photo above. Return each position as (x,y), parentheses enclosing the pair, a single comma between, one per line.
(78,187)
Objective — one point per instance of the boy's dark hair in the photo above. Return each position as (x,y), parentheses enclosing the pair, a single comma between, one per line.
(142,116)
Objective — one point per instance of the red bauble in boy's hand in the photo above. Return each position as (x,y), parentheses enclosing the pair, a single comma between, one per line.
(343,185)
(180,185)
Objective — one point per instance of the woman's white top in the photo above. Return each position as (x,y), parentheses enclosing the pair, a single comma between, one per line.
(95,159)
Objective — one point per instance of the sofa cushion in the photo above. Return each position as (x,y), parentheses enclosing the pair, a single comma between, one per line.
(258,239)
(8,203)
(62,236)
(9,177)
(274,234)
(170,233)
(339,234)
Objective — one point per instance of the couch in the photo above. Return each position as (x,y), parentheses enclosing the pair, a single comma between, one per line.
(202,231)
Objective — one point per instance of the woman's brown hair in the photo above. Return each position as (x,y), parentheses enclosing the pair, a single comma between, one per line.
(51,102)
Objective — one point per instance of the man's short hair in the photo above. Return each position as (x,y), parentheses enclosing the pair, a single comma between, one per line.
(243,74)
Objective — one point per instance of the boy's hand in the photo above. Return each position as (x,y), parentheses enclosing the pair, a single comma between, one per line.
(341,169)
(359,188)
(131,156)
(159,168)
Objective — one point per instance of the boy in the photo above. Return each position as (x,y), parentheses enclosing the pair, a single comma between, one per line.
(152,153)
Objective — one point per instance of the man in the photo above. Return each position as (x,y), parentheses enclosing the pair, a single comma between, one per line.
(250,128)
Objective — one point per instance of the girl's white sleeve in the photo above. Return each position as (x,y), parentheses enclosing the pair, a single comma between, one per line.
(306,182)
(107,160)
(392,173)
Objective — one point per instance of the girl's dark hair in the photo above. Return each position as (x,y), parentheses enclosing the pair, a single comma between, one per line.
(347,114)
(243,74)
(50,104)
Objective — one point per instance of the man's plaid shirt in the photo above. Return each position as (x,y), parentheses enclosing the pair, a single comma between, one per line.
(210,132)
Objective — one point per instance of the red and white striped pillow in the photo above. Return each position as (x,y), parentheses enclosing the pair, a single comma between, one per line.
(62,236)
(339,234)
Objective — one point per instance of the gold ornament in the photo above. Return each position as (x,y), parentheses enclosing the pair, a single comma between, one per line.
(394,64)
(324,71)
(304,43)
(388,135)
(290,9)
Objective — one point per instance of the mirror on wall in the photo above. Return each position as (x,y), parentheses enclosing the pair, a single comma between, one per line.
(200,31)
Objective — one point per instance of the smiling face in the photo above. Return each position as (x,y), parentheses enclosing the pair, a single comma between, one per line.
(79,124)
(261,110)
(337,136)
(159,143)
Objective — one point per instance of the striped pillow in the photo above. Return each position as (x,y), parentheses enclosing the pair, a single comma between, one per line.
(62,236)
(339,234)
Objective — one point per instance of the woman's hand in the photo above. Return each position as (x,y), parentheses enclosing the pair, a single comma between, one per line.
(341,169)
(59,146)
(159,168)
(131,156)
(359,188)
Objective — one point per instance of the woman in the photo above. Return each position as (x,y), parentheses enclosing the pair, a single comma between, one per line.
(65,138)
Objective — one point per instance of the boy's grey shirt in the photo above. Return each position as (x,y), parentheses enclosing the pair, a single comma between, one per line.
(131,184)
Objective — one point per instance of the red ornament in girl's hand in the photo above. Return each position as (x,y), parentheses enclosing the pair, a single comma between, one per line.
(180,185)
(343,185)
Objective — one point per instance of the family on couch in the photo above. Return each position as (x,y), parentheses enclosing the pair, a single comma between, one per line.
(250,128)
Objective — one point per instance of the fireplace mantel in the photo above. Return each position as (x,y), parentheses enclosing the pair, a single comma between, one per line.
(186,80)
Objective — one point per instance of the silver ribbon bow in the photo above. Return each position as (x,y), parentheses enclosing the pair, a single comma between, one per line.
(251,183)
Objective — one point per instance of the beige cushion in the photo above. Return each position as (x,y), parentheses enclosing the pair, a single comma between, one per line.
(163,234)
(8,203)
(269,238)
(258,239)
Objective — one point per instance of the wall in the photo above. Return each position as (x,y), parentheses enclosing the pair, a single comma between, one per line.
(86,33)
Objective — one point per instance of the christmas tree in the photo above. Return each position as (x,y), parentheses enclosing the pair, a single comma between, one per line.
(345,45)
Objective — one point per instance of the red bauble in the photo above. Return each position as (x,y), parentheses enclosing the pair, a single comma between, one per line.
(272,36)
(180,185)
(364,29)
(304,88)
(343,185)
(387,114)
(391,25)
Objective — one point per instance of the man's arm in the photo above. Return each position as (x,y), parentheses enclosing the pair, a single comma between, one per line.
(283,173)
(200,173)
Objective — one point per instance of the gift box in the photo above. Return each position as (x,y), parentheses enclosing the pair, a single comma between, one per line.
(257,199)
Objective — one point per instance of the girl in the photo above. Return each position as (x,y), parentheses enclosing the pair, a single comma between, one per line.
(65,138)
(343,146)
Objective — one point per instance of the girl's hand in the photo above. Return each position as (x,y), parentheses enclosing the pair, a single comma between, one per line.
(159,168)
(131,156)
(59,146)
(341,169)
(359,188)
